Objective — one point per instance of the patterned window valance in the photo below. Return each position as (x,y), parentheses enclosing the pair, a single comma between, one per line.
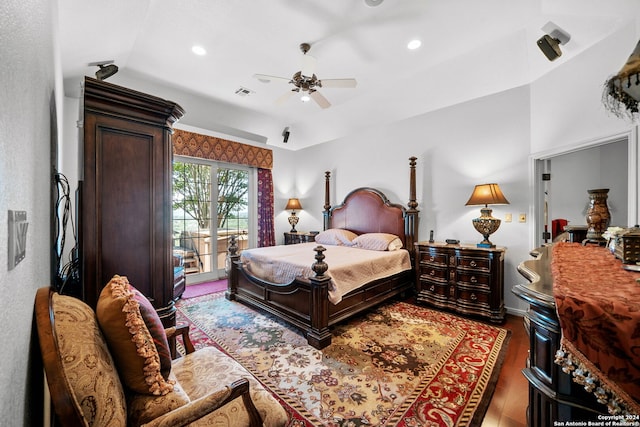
(209,147)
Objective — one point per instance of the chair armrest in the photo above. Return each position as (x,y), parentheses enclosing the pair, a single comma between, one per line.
(184,332)
(205,405)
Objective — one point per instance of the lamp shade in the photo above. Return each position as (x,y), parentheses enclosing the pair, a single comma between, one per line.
(487,194)
(293,205)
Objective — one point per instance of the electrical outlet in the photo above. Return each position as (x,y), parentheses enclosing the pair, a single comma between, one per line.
(522,217)
(508,217)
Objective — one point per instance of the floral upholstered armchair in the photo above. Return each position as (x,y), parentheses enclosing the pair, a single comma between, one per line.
(111,367)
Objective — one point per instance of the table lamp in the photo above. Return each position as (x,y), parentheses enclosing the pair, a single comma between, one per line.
(486,194)
(293,205)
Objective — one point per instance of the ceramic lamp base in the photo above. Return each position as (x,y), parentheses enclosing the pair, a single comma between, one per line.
(486,225)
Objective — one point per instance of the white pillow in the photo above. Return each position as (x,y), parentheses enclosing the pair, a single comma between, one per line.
(378,242)
(336,236)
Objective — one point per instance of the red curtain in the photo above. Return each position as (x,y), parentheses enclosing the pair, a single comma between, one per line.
(266,228)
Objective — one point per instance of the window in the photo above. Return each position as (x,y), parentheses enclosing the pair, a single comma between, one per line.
(211,201)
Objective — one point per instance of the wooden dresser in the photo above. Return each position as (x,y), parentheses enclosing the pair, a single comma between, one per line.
(553,396)
(461,278)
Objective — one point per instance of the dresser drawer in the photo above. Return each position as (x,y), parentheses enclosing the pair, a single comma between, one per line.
(433,257)
(473,297)
(472,278)
(430,272)
(474,263)
(435,288)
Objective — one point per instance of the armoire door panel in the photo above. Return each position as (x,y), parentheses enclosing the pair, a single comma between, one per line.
(127,210)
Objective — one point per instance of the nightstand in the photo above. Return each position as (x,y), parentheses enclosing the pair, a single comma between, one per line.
(299,237)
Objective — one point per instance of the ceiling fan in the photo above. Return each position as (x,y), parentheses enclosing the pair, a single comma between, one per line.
(306,83)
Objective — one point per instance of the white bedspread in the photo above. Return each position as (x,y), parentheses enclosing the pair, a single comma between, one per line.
(349,268)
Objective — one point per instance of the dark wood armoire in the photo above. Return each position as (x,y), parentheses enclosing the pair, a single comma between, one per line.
(124,214)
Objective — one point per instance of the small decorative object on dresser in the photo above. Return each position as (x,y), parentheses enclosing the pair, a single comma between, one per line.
(627,245)
(598,216)
(299,237)
(462,278)
(485,224)
(293,205)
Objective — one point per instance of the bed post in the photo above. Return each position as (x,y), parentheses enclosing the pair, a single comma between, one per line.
(319,335)
(327,200)
(232,271)
(411,226)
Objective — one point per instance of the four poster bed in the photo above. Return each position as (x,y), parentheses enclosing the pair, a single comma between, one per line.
(313,297)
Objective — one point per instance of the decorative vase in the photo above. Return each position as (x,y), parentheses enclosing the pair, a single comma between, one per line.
(598,216)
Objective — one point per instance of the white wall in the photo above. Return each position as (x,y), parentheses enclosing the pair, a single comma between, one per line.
(565,104)
(29,124)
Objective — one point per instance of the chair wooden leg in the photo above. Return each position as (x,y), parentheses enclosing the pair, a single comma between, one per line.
(242,386)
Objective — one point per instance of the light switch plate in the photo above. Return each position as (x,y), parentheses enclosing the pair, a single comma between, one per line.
(17,237)
(508,217)
(522,217)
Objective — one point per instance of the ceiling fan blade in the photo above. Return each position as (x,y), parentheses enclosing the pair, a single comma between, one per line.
(337,83)
(308,66)
(267,79)
(320,100)
(285,97)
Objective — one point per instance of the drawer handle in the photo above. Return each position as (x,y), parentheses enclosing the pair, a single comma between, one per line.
(432,273)
(432,288)
(473,279)
(473,297)
(473,264)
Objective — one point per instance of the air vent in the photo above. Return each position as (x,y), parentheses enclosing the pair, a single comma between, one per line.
(243,91)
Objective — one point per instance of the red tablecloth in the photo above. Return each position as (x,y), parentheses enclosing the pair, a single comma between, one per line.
(598,304)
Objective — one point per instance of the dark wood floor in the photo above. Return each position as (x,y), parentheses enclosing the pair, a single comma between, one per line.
(511,396)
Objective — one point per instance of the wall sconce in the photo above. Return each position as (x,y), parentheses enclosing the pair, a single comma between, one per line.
(293,205)
(622,91)
(486,194)
(550,43)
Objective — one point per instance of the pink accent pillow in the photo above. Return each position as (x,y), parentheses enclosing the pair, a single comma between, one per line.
(378,242)
(136,338)
(336,237)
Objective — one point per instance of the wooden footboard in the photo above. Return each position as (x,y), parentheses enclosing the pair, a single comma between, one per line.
(305,302)
(302,302)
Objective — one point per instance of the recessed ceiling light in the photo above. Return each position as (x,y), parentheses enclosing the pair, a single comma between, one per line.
(199,50)
(414,44)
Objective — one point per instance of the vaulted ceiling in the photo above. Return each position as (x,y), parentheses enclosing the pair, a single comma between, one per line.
(469,49)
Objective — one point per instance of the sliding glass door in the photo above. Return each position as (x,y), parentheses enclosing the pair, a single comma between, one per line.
(211,201)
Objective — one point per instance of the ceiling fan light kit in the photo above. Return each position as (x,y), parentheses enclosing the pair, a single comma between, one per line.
(306,82)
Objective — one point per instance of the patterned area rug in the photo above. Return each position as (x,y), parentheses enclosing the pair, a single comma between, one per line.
(399,364)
